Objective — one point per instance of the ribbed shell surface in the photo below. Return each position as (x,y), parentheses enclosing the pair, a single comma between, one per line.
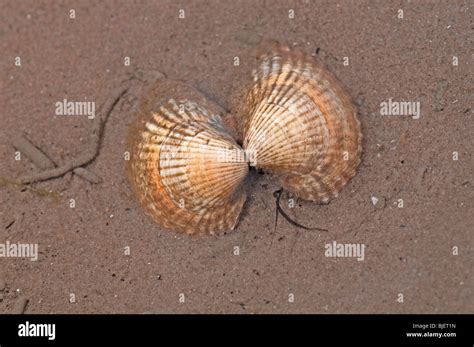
(300,124)
(186,169)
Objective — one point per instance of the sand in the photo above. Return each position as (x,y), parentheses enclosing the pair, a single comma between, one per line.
(418,250)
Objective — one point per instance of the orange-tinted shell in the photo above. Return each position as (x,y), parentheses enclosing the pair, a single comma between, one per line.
(185,168)
(300,124)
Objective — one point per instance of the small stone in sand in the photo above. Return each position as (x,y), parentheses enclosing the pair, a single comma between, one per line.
(40,159)
(20,305)
(87,175)
(379,203)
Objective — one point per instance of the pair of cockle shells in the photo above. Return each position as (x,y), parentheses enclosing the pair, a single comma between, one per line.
(296,122)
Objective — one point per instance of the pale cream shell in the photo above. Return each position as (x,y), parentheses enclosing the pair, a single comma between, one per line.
(299,123)
(185,168)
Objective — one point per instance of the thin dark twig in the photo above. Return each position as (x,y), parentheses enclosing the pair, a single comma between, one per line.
(275,227)
(90,153)
(277,195)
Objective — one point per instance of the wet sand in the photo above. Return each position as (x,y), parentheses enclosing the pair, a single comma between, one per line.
(409,243)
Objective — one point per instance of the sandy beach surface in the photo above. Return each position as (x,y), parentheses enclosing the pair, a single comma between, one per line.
(410,204)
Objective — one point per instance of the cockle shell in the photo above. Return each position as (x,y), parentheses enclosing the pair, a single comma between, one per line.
(296,121)
(185,168)
(299,123)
